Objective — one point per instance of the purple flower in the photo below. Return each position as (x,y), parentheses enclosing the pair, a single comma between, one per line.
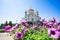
(14,27)
(45,22)
(55,23)
(54,20)
(40,27)
(49,23)
(53,33)
(7,28)
(23,28)
(49,26)
(23,22)
(33,26)
(18,35)
(26,30)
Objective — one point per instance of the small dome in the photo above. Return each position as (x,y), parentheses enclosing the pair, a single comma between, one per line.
(30,9)
(36,11)
(25,11)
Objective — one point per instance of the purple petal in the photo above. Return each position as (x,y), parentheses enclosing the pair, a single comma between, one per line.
(14,27)
(7,28)
(58,27)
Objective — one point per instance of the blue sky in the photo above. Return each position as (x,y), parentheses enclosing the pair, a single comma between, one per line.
(14,9)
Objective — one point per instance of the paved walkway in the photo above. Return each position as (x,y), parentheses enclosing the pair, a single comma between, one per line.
(5,36)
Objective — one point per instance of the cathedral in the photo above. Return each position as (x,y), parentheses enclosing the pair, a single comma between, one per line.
(31,15)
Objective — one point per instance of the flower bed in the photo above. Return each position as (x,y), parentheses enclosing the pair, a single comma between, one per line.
(24,31)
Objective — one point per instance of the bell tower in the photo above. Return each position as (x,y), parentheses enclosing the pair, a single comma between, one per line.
(37,13)
(25,13)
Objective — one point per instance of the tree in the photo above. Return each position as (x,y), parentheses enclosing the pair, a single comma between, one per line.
(6,23)
(10,23)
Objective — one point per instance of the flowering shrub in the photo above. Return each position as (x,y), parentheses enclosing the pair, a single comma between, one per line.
(24,31)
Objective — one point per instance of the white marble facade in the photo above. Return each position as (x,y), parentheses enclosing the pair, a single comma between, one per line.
(31,15)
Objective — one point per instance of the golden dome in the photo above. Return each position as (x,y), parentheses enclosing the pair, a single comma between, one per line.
(30,9)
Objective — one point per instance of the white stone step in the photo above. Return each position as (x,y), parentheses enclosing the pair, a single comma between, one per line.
(5,36)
